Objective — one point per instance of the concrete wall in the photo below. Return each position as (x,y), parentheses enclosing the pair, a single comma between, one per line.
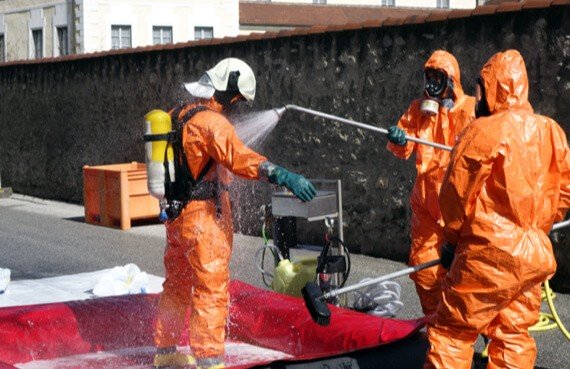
(57,117)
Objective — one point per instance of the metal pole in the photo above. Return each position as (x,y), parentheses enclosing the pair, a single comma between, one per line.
(364,126)
(386,277)
(559,225)
(340,221)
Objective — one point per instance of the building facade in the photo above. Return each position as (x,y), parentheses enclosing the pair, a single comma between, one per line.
(446,4)
(50,28)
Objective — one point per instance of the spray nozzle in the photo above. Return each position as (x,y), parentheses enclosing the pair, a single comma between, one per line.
(280,111)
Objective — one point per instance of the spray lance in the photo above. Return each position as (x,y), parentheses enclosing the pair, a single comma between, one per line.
(281,111)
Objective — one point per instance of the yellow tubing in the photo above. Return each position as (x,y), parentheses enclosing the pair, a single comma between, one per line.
(554,313)
(549,321)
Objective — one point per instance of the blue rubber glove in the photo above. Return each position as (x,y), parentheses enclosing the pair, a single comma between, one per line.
(299,185)
(447,255)
(397,136)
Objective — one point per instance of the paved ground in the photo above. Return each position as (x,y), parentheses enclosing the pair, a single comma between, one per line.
(40,238)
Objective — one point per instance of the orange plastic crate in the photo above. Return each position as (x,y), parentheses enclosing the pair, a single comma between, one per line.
(116,194)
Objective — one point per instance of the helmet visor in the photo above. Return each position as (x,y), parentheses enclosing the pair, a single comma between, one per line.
(203,88)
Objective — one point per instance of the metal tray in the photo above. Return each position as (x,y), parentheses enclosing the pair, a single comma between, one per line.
(285,204)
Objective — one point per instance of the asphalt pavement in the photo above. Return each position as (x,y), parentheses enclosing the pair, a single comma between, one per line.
(42,238)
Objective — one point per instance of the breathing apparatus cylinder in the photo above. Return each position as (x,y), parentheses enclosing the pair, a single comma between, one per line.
(159,155)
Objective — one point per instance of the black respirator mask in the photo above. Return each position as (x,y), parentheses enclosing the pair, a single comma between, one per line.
(437,87)
(482,106)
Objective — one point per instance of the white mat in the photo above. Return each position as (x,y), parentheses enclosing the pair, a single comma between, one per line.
(59,289)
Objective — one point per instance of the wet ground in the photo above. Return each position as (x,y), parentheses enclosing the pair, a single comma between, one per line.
(40,238)
(140,357)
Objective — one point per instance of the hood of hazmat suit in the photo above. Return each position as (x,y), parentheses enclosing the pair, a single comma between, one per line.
(505,187)
(431,163)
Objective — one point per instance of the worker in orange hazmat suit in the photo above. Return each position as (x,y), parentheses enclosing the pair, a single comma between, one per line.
(507,181)
(200,232)
(439,116)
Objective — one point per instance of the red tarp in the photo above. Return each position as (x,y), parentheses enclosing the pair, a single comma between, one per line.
(258,317)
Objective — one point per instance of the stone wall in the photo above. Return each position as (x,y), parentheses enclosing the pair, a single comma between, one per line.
(56,117)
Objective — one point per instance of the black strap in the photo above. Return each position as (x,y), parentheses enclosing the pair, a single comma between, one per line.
(180,123)
(185,187)
(162,137)
(207,190)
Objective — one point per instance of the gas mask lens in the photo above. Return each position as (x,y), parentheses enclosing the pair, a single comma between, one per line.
(435,82)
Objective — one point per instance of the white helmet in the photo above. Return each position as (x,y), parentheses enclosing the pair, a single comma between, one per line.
(230,74)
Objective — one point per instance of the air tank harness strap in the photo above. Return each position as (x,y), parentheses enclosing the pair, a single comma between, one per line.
(162,137)
(186,188)
(179,188)
(209,190)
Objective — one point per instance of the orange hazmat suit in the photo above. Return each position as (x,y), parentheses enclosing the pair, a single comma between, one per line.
(199,240)
(506,183)
(426,224)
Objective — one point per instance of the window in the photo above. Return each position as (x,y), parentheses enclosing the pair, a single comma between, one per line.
(2,49)
(203,32)
(120,37)
(38,45)
(390,2)
(161,35)
(62,41)
(319,1)
(442,4)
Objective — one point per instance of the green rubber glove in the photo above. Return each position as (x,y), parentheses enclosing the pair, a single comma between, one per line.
(296,183)
(397,136)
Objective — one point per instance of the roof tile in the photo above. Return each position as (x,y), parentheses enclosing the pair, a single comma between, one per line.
(392,22)
(484,10)
(534,4)
(318,29)
(415,19)
(270,34)
(373,23)
(509,7)
(337,27)
(253,36)
(436,17)
(349,26)
(285,32)
(460,13)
